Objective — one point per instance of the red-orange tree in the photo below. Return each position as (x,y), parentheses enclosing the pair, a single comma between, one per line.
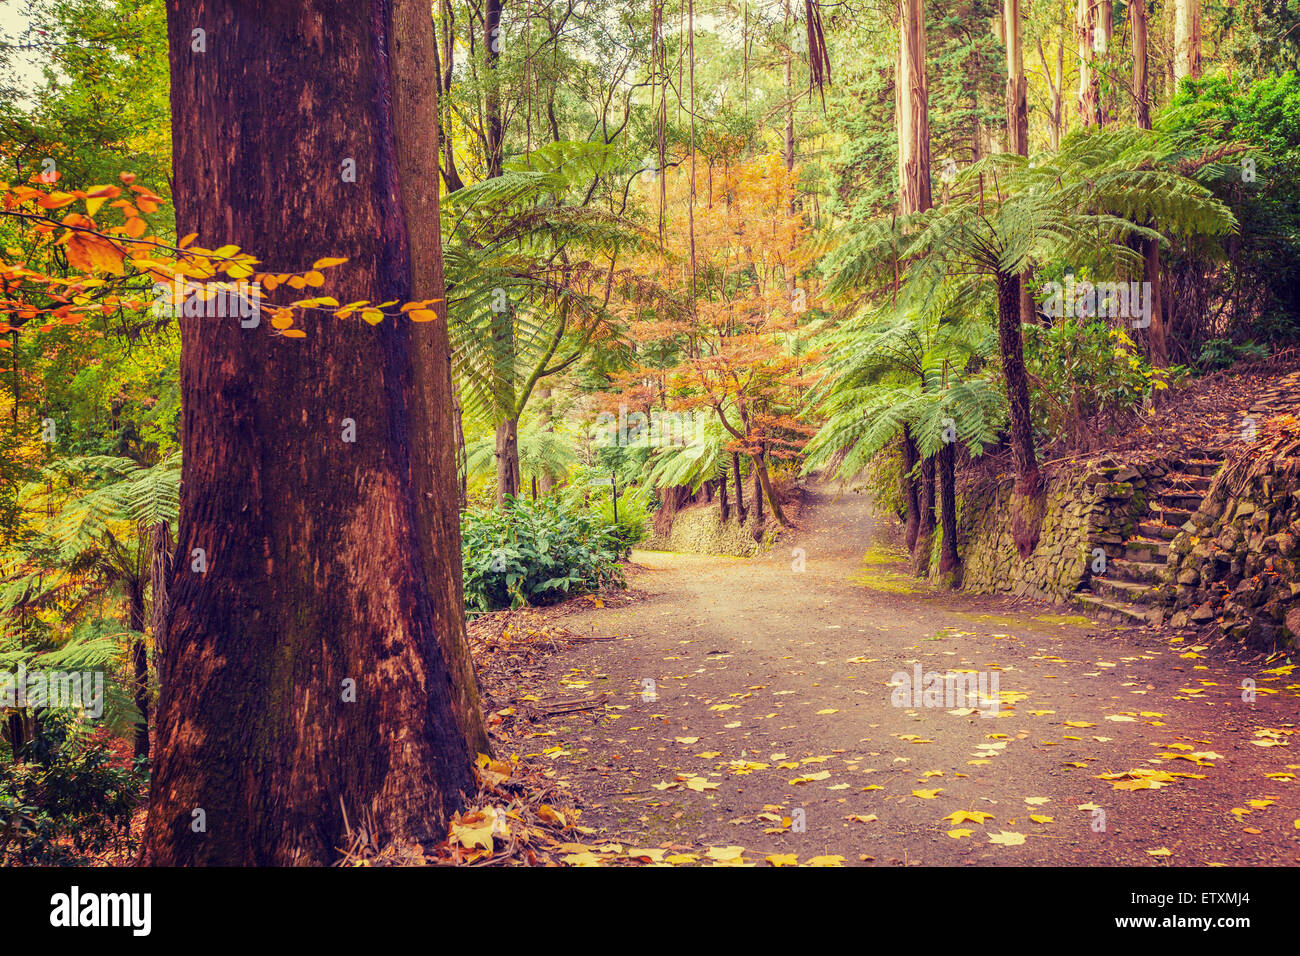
(738,258)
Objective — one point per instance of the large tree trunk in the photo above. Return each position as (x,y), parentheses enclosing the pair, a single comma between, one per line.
(1026,519)
(318,668)
(507,458)
(949,562)
(1187,39)
(913,110)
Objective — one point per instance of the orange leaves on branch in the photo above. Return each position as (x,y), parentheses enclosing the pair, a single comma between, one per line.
(114,262)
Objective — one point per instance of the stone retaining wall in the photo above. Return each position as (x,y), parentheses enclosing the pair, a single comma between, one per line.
(1090,505)
(1236,563)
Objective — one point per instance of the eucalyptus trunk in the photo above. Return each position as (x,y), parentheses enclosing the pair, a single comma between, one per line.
(316,675)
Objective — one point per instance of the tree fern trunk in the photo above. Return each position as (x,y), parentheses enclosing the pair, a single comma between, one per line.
(507,457)
(1027,499)
(949,562)
(911,498)
(925,532)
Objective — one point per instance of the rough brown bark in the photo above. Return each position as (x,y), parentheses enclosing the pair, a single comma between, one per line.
(327,562)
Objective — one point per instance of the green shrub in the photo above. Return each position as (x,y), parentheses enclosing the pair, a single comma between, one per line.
(535,552)
(66,797)
(1220,353)
(633,524)
(1083,368)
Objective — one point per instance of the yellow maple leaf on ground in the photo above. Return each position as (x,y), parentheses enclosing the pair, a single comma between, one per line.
(819,775)
(968,816)
(1005,838)
(927,794)
(835,860)
(724,852)
(783,859)
(1163,851)
(958,834)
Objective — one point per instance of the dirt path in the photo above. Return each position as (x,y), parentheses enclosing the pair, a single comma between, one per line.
(764,675)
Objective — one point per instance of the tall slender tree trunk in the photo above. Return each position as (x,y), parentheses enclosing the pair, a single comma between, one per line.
(765,487)
(758,490)
(1141,62)
(1017,88)
(723,504)
(1187,39)
(507,458)
(1158,348)
(913,110)
(140,668)
(316,666)
(546,421)
(949,561)
(1027,504)
(911,499)
(1085,25)
(1018,122)
(740,488)
(925,532)
(495,132)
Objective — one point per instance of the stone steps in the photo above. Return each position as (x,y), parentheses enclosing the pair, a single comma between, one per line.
(1136,572)
(1124,592)
(1119,611)
(1128,591)
(1146,549)
(1182,501)
(1154,529)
